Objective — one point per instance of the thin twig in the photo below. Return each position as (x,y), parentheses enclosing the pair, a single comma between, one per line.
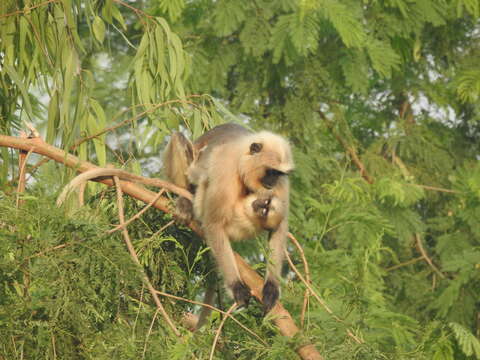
(149,332)
(406,263)
(22,162)
(305,306)
(18,12)
(170,223)
(214,309)
(403,168)
(435,188)
(61,246)
(138,11)
(324,305)
(140,302)
(426,257)
(134,256)
(306,295)
(352,152)
(137,215)
(217,335)
(319,299)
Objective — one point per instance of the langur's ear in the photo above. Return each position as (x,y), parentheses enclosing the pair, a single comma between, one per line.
(255,148)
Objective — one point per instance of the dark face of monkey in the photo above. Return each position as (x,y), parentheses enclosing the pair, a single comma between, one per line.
(271,178)
(271,175)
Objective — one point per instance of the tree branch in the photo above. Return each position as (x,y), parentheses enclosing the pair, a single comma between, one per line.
(425,256)
(281,317)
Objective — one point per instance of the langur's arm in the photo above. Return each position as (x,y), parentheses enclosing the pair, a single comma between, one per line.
(222,251)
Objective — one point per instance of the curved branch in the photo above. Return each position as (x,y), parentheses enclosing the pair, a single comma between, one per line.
(124,175)
(425,256)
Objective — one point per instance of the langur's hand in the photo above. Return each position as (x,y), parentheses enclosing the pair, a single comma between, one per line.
(261,207)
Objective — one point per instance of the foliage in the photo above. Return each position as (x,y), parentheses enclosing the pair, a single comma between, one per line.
(380,102)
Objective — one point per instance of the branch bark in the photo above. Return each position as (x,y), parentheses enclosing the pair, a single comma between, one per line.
(281,317)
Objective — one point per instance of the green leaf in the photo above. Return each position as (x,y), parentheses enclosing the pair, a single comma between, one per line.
(468,342)
(117,15)
(384,59)
(94,126)
(345,20)
(53,118)
(172,7)
(99,29)
(228,14)
(18,81)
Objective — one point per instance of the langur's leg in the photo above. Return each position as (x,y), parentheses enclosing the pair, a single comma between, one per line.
(222,251)
(271,288)
(209,299)
(177,158)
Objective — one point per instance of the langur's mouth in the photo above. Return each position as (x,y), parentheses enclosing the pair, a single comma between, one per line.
(267,186)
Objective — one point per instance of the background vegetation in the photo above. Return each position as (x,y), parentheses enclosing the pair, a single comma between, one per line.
(380,99)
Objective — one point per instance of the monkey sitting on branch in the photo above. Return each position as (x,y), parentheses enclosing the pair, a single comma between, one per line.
(240,186)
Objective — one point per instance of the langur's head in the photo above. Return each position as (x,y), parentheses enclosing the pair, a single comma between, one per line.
(266,159)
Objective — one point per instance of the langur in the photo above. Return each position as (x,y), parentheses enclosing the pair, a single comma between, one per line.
(240,186)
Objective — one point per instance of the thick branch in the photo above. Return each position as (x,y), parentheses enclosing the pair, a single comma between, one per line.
(38,146)
(281,317)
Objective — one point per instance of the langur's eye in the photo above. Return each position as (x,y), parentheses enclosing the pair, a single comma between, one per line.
(275,173)
(255,148)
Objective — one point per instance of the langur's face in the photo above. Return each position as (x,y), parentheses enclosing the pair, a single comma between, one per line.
(266,166)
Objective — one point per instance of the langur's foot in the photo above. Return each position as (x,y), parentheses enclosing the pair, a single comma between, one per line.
(183,211)
(241,293)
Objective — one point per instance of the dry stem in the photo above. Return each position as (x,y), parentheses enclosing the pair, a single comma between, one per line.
(306,295)
(214,309)
(352,152)
(426,257)
(134,256)
(22,163)
(406,263)
(137,215)
(149,332)
(217,335)
(320,300)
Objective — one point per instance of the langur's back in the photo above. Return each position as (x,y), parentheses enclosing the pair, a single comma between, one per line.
(220,135)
